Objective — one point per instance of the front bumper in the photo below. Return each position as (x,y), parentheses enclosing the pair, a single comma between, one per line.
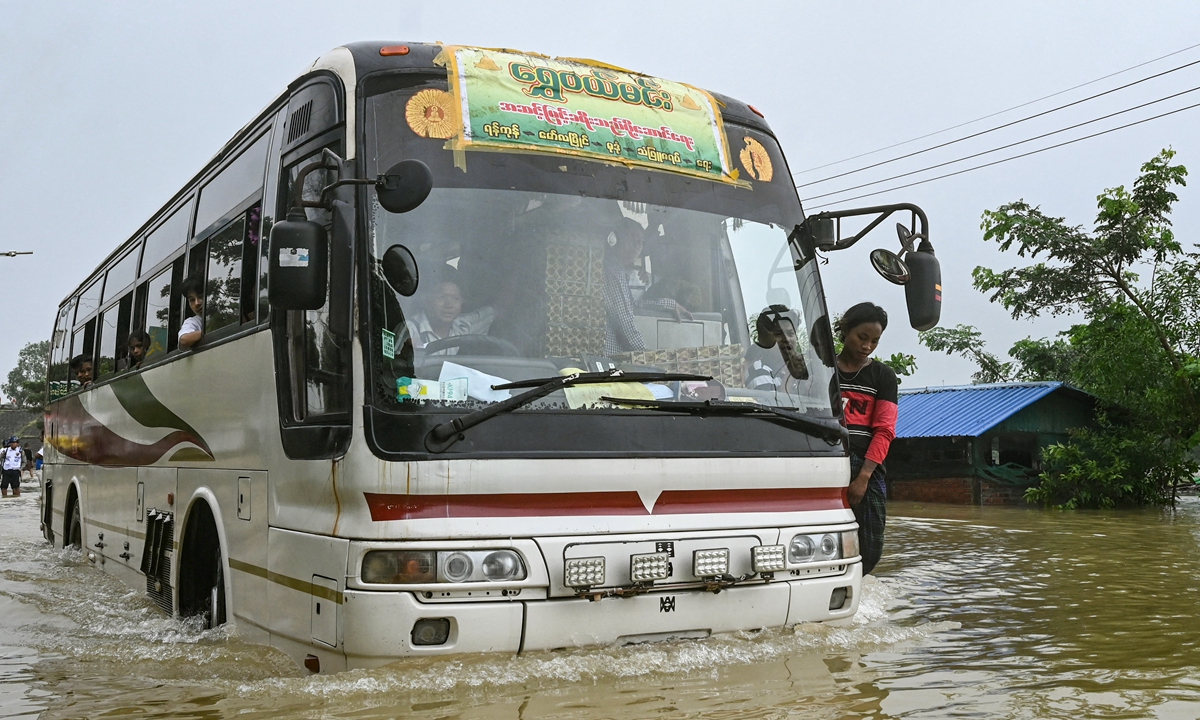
(377,626)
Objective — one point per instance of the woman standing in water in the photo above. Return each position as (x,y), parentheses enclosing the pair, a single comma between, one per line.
(869,402)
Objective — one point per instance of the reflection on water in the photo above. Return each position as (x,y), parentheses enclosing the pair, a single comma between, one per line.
(996,612)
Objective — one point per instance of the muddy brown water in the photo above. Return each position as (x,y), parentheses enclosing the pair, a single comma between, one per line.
(989,613)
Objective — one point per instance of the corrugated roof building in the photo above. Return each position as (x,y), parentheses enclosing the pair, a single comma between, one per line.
(980,444)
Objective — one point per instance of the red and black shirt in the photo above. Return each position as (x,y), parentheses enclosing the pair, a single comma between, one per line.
(869,403)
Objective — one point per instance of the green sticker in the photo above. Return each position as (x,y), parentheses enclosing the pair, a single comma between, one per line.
(389,345)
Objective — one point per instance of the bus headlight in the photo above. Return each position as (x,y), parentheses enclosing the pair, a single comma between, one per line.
(503,565)
(456,567)
(822,547)
(398,567)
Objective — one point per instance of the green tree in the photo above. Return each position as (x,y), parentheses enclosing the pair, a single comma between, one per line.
(26,386)
(967,341)
(1139,292)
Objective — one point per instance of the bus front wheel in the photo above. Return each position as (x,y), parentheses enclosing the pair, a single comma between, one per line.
(201,570)
(74,534)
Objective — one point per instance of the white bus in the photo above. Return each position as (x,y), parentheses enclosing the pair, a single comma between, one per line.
(500,353)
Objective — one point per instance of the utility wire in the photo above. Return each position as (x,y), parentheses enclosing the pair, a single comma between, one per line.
(998,112)
(1001,127)
(1003,147)
(1004,160)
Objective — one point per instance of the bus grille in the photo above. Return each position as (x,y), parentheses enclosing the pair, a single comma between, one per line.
(156,562)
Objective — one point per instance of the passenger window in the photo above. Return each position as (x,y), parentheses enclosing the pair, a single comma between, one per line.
(89,299)
(59,345)
(167,238)
(223,290)
(237,182)
(158,313)
(82,347)
(114,330)
(121,275)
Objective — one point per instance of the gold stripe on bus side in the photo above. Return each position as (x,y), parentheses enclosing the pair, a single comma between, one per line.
(114,528)
(304,586)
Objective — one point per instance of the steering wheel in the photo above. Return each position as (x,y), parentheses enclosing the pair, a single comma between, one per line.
(474,345)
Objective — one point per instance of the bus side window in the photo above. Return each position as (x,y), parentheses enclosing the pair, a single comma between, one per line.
(59,371)
(161,301)
(83,344)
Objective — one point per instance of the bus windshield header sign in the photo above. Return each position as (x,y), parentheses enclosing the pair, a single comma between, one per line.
(513,101)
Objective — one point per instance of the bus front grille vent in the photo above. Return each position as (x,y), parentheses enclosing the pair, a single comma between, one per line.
(156,558)
(300,121)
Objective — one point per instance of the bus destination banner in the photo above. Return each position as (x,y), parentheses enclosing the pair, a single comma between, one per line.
(512,101)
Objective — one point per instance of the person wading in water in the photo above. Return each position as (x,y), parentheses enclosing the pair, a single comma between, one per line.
(869,402)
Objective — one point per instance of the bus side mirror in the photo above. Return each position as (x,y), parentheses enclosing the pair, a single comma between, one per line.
(773,327)
(404,186)
(923,291)
(299,263)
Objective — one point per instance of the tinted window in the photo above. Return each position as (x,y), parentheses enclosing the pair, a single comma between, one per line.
(120,275)
(107,358)
(223,291)
(158,313)
(89,299)
(241,179)
(168,238)
(58,352)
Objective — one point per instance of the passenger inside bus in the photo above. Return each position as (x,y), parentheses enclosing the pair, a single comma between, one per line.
(622,277)
(135,351)
(193,327)
(82,367)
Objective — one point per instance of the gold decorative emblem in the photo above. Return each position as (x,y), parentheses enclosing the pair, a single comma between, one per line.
(429,114)
(689,103)
(756,160)
(486,63)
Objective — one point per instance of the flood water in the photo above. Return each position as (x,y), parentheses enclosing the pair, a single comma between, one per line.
(991,613)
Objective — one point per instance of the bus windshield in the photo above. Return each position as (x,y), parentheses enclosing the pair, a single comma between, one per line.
(538,266)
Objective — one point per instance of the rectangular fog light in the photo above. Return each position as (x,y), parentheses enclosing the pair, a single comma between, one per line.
(710,563)
(584,572)
(651,566)
(767,558)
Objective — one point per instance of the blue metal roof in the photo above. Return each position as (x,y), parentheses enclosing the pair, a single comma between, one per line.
(967,410)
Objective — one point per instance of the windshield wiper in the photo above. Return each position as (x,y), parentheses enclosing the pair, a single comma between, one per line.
(829,430)
(444,435)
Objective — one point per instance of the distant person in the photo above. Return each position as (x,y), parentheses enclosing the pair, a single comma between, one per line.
(81,365)
(620,273)
(193,327)
(135,350)
(869,397)
(10,472)
(28,466)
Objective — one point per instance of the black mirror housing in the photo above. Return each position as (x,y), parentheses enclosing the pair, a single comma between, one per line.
(299,264)
(404,186)
(923,291)
(400,270)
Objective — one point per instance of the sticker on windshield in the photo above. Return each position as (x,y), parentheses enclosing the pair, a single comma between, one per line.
(506,100)
(415,389)
(293,257)
(389,345)
(756,160)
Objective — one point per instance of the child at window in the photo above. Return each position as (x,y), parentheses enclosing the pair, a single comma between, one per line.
(193,327)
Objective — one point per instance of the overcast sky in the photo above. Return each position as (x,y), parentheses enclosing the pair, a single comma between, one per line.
(106,109)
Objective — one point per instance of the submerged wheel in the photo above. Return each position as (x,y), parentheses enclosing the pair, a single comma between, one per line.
(74,535)
(201,569)
(216,597)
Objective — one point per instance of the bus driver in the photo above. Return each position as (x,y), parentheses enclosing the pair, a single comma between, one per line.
(441,314)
